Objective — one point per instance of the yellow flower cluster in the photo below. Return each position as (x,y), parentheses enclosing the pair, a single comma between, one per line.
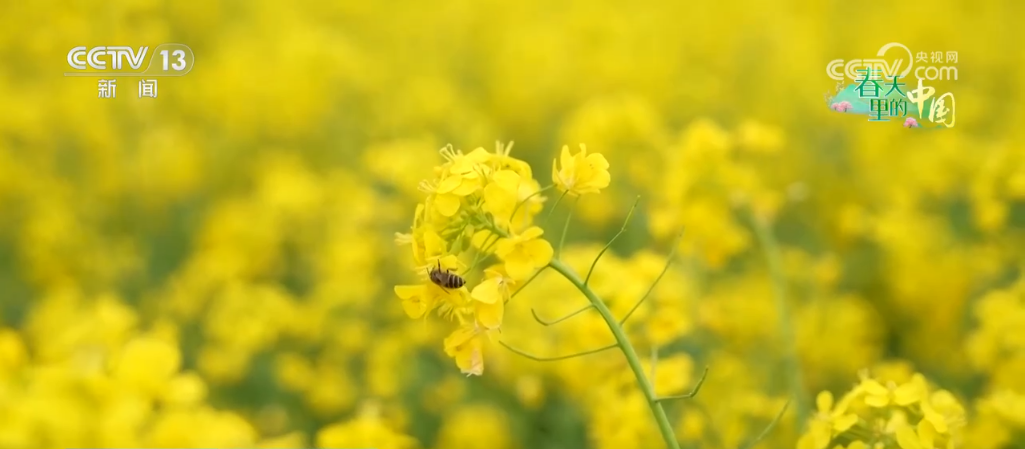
(367,429)
(109,386)
(484,204)
(708,173)
(88,362)
(997,348)
(906,414)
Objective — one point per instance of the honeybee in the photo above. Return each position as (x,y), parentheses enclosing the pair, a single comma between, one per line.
(445,278)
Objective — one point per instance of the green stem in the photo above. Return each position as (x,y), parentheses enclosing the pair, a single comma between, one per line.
(525,284)
(565,229)
(622,229)
(779,289)
(552,210)
(482,253)
(664,427)
(556,358)
(524,201)
(557,321)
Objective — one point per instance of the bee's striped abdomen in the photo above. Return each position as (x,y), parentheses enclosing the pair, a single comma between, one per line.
(446,279)
(454,281)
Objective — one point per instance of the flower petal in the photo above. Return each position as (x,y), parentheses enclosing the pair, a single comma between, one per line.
(937,420)
(806,441)
(446,204)
(487,292)
(449,184)
(408,291)
(597,161)
(907,439)
(518,268)
(499,201)
(600,180)
(565,158)
(458,338)
(464,345)
(434,245)
(926,433)
(908,393)
(824,401)
(539,252)
(506,179)
(471,362)
(821,434)
(490,315)
(532,233)
(873,387)
(504,247)
(414,300)
(415,308)
(877,401)
(468,185)
(844,423)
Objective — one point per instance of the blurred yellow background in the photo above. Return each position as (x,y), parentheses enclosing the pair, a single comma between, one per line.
(214,267)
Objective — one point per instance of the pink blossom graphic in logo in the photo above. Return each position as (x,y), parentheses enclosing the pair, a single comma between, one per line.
(842,106)
(911,123)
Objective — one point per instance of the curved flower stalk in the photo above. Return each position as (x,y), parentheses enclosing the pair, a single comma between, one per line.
(482,207)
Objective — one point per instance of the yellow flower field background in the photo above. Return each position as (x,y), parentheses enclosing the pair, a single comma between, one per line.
(242,261)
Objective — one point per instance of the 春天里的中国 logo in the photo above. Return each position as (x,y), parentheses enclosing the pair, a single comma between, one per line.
(901,87)
(111,62)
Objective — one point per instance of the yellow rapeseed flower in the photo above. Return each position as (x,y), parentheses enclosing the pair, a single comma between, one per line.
(468,426)
(581,172)
(426,243)
(525,252)
(13,353)
(200,427)
(490,297)
(502,194)
(908,414)
(501,160)
(1008,405)
(530,202)
(922,437)
(148,364)
(420,299)
(331,391)
(459,179)
(185,389)
(942,410)
(828,420)
(878,395)
(293,440)
(466,346)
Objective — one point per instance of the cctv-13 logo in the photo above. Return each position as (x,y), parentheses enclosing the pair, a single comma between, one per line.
(173,60)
